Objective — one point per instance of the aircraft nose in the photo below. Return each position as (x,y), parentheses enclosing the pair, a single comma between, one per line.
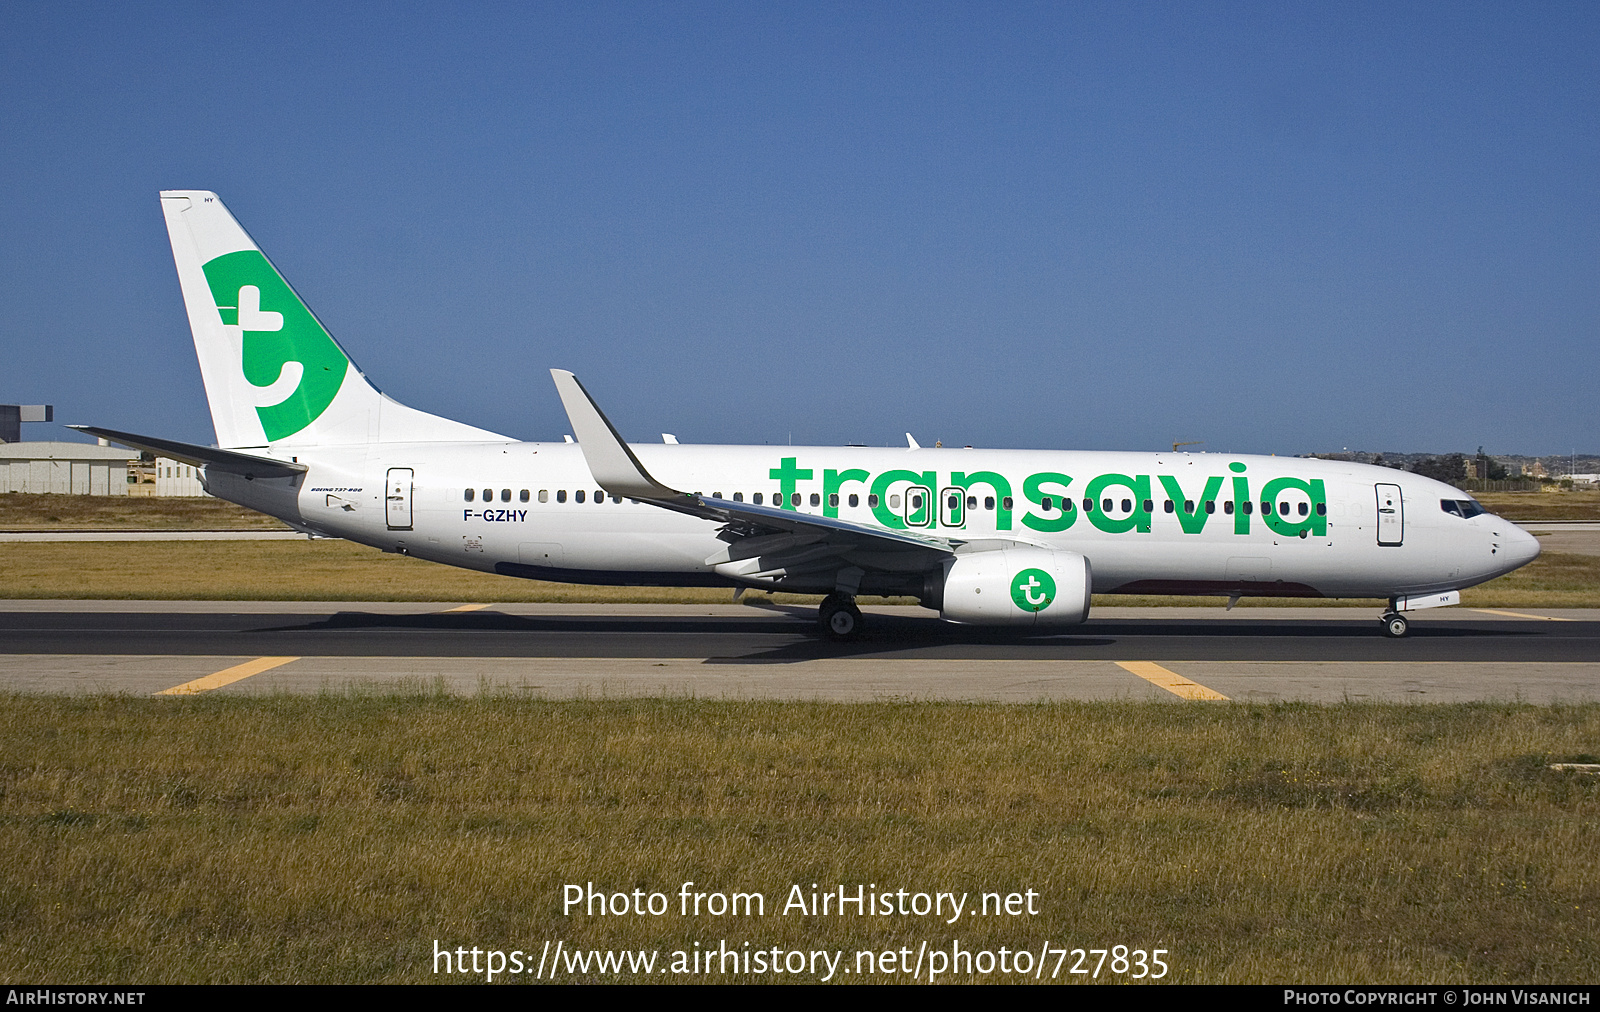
(1519,547)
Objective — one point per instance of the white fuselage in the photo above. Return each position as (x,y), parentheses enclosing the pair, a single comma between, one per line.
(1236,524)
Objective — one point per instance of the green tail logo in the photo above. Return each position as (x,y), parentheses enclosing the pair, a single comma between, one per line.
(296,368)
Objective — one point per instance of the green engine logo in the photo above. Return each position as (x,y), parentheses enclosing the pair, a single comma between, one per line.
(1033,589)
(296,368)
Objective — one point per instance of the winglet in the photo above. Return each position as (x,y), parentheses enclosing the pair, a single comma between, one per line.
(912,444)
(613,465)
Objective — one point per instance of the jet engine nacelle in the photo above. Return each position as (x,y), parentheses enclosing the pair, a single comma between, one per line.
(1017,587)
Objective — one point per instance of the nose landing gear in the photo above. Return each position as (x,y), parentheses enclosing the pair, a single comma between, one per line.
(1394,624)
(838,618)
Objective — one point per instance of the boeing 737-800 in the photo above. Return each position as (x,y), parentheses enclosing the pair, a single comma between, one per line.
(1016,538)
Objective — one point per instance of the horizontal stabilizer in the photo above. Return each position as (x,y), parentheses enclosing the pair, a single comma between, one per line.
(231,461)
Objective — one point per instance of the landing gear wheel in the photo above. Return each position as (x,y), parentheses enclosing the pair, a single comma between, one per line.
(838,617)
(1394,625)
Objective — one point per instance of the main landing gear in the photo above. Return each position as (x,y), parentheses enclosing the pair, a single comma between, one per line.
(1394,624)
(838,618)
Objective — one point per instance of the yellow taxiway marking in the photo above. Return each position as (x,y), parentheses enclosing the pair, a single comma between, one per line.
(1518,614)
(464,607)
(1173,682)
(227,676)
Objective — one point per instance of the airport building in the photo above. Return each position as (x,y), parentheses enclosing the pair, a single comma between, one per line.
(58,468)
(176,478)
(66,468)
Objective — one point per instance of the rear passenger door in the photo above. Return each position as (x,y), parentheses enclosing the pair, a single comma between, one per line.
(397,498)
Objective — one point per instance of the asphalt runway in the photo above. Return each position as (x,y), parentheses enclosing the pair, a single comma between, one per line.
(734,651)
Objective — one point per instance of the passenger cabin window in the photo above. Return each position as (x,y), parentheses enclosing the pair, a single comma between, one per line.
(1006,502)
(1305,509)
(578,496)
(756,498)
(544,495)
(505,495)
(1169,507)
(988,502)
(523,495)
(855,500)
(1249,506)
(561,495)
(1322,509)
(599,496)
(1047,504)
(1211,505)
(1149,506)
(1088,505)
(469,495)
(794,499)
(872,500)
(716,495)
(488,495)
(1227,507)
(1106,506)
(1127,505)
(816,500)
(894,502)
(738,497)
(833,499)
(1188,505)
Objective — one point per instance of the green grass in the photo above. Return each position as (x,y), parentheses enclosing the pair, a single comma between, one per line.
(333,839)
(343,571)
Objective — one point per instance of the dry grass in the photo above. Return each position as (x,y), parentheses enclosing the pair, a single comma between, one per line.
(28,512)
(343,571)
(334,839)
(1522,506)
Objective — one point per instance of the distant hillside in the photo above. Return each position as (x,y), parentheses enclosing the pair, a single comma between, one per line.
(1555,465)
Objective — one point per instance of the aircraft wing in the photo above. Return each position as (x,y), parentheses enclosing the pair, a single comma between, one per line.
(618,471)
(212,458)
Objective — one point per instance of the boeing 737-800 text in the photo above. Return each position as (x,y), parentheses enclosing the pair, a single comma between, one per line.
(1015,538)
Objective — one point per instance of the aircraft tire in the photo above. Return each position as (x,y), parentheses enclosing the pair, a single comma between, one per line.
(1395,625)
(838,617)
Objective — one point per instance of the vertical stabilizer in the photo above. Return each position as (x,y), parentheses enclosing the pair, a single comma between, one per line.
(273,373)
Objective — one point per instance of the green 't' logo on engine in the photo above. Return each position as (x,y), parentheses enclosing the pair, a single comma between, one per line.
(1033,589)
(294,366)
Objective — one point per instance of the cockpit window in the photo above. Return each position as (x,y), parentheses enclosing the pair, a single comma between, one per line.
(1462,507)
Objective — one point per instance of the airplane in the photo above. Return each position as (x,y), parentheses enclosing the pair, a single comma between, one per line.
(1007,538)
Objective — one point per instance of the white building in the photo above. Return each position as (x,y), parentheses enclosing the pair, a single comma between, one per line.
(177,478)
(65,468)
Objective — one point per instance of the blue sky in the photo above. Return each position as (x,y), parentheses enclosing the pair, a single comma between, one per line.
(1275,228)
